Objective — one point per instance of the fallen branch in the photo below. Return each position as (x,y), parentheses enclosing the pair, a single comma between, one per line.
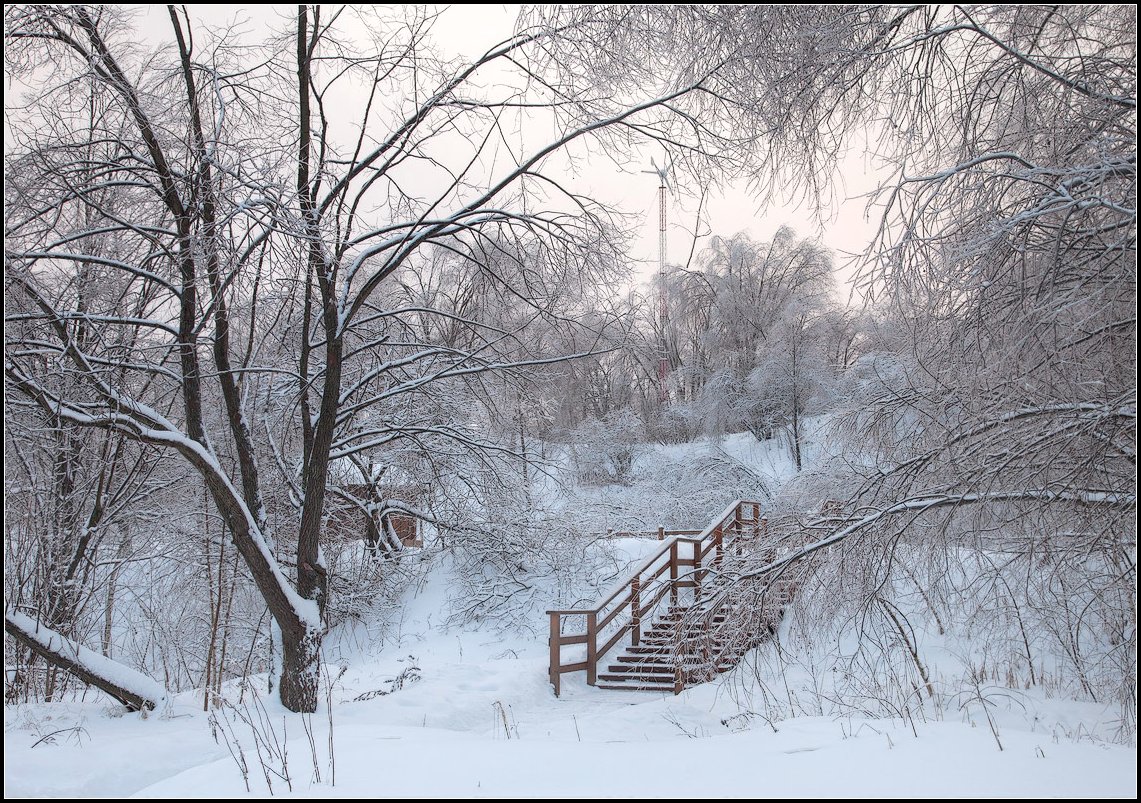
(130,687)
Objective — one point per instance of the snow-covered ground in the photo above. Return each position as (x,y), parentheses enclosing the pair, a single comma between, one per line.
(482,721)
(473,715)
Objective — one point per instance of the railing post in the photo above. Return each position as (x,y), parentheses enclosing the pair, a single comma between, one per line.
(555,644)
(661,533)
(591,648)
(635,614)
(673,574)
(718,544)
(697,569)
(707,653)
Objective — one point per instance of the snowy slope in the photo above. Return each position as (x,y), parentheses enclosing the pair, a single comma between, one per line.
(482,721)
(472,715)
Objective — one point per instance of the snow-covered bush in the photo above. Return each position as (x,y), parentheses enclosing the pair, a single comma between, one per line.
(681,422)
(604,450)
(513,557)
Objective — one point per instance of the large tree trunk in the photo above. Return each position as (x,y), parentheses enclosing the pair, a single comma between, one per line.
(300,671)
(301,637)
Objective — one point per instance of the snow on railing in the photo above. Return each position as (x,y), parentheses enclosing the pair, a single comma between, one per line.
(687,557)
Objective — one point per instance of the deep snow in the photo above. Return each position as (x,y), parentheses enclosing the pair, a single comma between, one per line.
(482,722)
(476,717)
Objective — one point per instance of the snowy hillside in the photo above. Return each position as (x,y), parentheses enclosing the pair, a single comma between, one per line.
(475,717)
(422,709)
(594,400)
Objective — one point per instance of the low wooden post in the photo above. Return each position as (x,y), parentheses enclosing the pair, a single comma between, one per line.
(661,533)
(718,544)
(555,644)
(635,614)
(591,648)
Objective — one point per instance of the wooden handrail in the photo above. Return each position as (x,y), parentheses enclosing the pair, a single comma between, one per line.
(726,638)
(641,588)
(661,533)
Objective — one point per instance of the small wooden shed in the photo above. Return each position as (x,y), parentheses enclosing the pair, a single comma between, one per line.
(353,515)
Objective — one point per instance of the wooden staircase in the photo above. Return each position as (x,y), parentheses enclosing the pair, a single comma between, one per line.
(699,625)
(673,642)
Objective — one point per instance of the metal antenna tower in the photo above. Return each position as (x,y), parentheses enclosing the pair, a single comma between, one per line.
(663,349)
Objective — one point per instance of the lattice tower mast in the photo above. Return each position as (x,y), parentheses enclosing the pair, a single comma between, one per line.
(663,299)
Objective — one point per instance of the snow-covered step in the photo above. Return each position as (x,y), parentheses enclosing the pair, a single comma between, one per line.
(703,640)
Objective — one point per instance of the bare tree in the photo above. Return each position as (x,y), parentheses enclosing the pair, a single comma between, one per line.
(794,377)
(729,330)
(1000,413)
(233,206)
(999,416)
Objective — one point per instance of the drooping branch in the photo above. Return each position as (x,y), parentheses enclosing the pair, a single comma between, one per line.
(1081,497)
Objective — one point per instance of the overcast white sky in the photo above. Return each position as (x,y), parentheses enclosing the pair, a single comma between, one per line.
(842,224)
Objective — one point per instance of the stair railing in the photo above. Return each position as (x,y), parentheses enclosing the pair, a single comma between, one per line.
(683,561)
(747,610)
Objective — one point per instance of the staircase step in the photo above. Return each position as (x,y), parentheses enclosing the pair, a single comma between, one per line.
(612,678)
(662,669)
(675,633)
(691,676)
(681,627)
(684,648)
(688,633)
(691,641)
(638,669)
(664,681)
(695,636)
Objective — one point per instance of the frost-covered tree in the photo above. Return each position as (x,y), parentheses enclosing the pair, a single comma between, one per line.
(722,312)
(1000,412)
(794,378)
(250,206)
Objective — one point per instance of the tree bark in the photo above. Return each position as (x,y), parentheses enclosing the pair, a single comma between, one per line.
(299,671)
